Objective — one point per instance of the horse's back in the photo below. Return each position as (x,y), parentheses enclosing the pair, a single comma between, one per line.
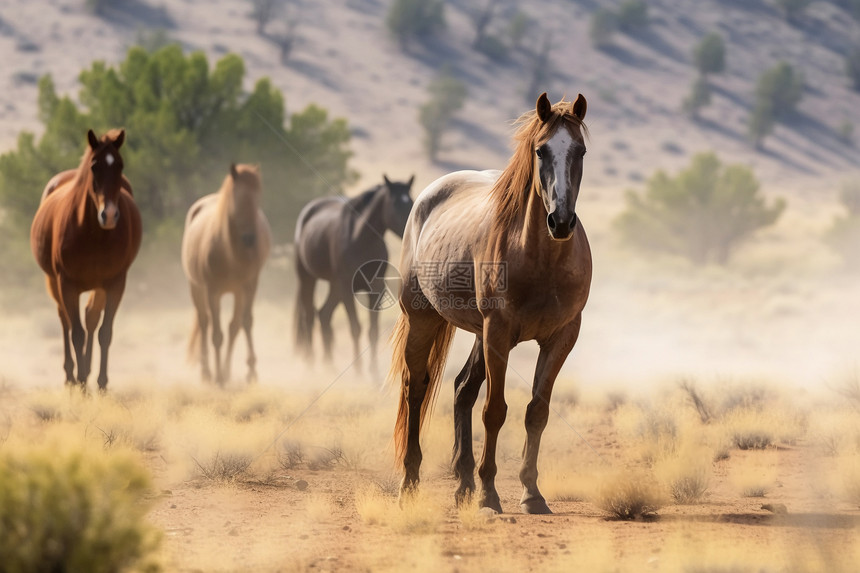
(319,225)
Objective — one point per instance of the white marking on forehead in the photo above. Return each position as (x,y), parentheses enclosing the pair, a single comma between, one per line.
(559,144)
(404,198)
(109,158)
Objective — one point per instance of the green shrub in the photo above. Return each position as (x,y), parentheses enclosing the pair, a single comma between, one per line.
(447,96)
(703,213)
(700,96)
(262,11)
(852,67)
(709,54)
(185,124)
(792,8)
(603,25)
(415,19)
(633,15)
(777,93)
(493,48)
(64,510)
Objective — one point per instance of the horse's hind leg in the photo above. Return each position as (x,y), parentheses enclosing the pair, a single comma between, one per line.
(247,323)
(373,335)
(70,296)
(239,303)
(113,296)
(214,301)
(552,355)
(95,306)
(305,313)
(354,329)
(198,295)
(467,384)
(68,362)
(326,313)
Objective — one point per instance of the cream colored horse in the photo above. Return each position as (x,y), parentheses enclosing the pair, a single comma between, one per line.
(498,254)
(225,244)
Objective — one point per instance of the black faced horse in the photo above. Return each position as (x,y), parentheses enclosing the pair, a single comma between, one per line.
(335,237)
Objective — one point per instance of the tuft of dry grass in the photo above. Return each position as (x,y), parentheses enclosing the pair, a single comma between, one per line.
(629,496)
(223,466)
(686,476)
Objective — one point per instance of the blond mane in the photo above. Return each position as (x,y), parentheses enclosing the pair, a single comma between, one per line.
(512,188)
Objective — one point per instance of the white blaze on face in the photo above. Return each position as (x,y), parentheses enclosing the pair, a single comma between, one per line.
(559,147)
(109,159)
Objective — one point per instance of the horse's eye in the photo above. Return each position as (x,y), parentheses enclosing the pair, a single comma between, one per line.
(538,153)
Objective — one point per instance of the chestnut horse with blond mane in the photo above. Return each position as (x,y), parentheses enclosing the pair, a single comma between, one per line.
(225,243)
(85,235)
(501,255)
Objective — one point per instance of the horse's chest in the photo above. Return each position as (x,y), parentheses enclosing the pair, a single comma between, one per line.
(93,256)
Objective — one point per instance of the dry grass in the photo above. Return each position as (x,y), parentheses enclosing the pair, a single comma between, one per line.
(629,495)
(686,476)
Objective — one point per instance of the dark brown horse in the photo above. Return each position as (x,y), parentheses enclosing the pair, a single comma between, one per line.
(85,235)
(334,237)
(225,244)
(499,254)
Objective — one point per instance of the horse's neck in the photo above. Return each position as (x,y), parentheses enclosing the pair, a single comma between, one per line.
(529,235)
(81,189)
(238,214)
(370,220)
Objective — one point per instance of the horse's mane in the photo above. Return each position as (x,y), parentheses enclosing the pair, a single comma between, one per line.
(360,202)
(512,188)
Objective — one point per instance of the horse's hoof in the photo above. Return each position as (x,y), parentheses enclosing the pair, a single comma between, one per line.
(535,507)
(492,502)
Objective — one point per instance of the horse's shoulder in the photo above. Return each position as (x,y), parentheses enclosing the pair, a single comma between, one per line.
(58,181)
(199,206)
(126,184)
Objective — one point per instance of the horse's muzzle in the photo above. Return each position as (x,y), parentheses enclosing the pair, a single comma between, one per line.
(108,217)
(560,230)
(249,239)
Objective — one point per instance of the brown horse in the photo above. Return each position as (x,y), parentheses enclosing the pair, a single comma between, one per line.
(500,255)
(85,235)
(225,244)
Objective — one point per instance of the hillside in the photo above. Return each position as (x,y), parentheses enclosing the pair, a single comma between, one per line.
(345,60)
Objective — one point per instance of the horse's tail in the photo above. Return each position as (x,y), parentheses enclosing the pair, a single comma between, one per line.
(305,312)
(194,342)
(399,372)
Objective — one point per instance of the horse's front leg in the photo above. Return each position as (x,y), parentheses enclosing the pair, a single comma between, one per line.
(467,384)
(95,306)
(553,353)
(247,324)
(113,296)
(354,329)
(239,303)
(497,347)
(70,295)
(214,300)
(68,362)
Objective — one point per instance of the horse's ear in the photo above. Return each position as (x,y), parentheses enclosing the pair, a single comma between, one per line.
(234,173)
(117,143)
(543,107)
(94,141)
(579,107)
(411,181)
(385,178)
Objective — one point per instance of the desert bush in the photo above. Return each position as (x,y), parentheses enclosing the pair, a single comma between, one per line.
(777,93)
(602,26)
(844,234)
(492,47)
(447,96)
(415,19)
(703,213)
(223,466)
(185,123)
(709,55)
(687,479)
(633,15)
(791,9)
(262,12)
(852,67)
(700,96)
(629,496)
(65,509)
(518,27)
